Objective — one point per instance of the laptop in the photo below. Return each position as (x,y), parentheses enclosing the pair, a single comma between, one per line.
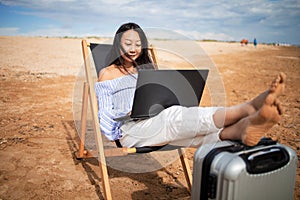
(157,90)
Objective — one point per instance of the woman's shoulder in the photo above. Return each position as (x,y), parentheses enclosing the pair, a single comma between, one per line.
(109,73)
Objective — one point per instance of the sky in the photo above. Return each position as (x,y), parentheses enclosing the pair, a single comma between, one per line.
(269,21)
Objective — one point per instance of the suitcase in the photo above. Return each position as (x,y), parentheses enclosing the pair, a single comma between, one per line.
(232,171)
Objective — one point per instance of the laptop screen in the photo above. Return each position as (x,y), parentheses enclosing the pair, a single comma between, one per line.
(159,89)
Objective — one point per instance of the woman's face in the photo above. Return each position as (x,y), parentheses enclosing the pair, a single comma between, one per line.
(131,43)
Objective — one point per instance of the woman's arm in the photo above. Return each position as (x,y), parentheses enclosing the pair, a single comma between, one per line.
(109,127)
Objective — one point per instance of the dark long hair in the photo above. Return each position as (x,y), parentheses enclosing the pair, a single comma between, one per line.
(143,61)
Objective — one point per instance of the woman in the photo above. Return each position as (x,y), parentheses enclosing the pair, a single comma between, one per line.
(176,125)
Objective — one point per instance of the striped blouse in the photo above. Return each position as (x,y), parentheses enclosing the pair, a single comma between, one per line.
(115,98)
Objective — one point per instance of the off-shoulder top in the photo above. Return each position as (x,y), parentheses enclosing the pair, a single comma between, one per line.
(115,99)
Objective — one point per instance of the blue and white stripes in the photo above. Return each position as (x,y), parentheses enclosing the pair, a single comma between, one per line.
(115,98)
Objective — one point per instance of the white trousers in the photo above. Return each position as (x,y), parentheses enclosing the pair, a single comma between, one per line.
(176,125)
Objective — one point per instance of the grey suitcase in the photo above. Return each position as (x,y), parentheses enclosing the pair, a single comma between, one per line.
(232,171)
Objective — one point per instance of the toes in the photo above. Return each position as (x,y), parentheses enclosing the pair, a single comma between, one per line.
(282,77)
(277,80)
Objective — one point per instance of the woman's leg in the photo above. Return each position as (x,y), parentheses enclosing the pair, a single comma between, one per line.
(185,124)
(173,124)
(227,116)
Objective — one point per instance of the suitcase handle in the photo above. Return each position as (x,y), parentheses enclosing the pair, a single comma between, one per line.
(259,154)
(265,160)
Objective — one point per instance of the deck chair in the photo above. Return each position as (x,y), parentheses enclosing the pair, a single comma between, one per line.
(99,53)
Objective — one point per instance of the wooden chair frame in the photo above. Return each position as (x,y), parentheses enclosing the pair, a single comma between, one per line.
(101,153)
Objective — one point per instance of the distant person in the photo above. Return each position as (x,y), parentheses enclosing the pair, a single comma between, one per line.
(255,42)
(244,42)
(176,125)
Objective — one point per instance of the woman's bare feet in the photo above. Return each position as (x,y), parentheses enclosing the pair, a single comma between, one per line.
(250,121)
(276,88)
(256,125)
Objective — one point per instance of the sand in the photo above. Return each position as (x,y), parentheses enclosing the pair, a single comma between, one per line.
(38,137)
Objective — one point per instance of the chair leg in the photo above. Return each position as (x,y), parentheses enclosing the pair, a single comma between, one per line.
(186,169)
(82,152)
(105,181)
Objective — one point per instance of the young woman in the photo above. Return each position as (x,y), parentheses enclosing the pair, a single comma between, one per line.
(176,125)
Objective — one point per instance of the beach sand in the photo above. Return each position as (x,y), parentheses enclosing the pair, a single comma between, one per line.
(38,137)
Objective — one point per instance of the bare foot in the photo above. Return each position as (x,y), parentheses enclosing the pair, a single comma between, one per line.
(278,85)
(276,88)
(265,118)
